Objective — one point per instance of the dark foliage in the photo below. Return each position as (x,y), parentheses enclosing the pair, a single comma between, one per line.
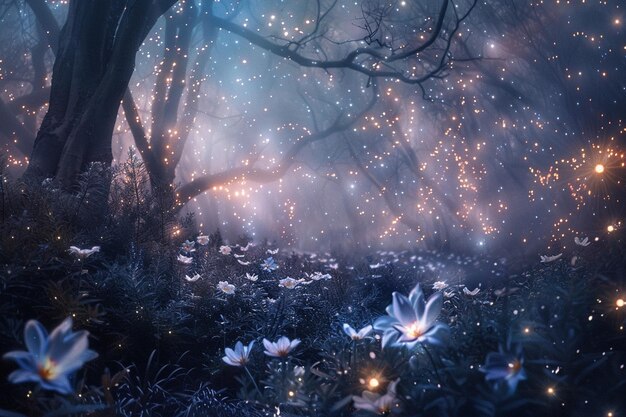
(161,338)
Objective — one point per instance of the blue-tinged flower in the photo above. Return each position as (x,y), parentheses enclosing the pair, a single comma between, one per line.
(240,356)
(412,321)
(354,335)
(188,246)
(378,403)
(505,367)
(51,359)
(280,348)
(269,264)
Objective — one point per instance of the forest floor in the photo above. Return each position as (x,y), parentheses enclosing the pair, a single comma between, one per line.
(188,325)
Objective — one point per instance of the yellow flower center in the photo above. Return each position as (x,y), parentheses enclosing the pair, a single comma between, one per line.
(515,367)
(414,330)
(47,370)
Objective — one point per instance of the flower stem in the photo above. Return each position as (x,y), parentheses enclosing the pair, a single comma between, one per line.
(439,379)
(253,381)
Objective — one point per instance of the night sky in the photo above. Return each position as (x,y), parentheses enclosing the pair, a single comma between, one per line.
(516,146)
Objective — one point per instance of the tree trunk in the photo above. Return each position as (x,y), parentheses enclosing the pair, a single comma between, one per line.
(94,63)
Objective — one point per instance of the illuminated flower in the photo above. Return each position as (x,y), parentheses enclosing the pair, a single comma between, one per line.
(51,359)
(289,283)
(411,321)
(583,242)
(225,250)
(186,260)
(188,246)
(269,264)
(202,240)
(240,356)
(83,253)
(244,263)
(471,293)
(280,348)
(546,259)
(378,403)
(505,367)
(354,335)
(272,252)
(192,279)
(439,285)
(252,277)
(226,288)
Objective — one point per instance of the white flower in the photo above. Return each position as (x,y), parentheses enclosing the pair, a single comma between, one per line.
(583,242)
(244,263)
(505,291)
(298,371)
(289,283)
(272,252)
(226,288)
(186,260)
(225,250)
(281,347)
(440,285)
(316,276)
(354,335)
(334,266)
(547,258)
(377,403)
(83,253)
(471,293)
(238,357)
(192,279)
(202,240)
(252,277)
(245,248)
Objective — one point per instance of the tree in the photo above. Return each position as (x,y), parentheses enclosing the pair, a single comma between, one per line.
(95,60)
(94,63)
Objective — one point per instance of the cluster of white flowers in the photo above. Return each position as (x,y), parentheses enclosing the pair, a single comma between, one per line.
(240,356)
(226,288)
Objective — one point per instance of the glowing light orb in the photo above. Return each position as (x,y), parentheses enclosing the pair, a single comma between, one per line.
(373,383)
(620,302)
(610,228)
(599,168)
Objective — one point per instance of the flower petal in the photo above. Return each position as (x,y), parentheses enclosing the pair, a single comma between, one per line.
(20,375)
(347,329)
(432,310)
(402,309)
(35,337)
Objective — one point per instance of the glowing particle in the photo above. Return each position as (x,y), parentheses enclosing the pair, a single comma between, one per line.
(620,302)
(599,168)
(373,383)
